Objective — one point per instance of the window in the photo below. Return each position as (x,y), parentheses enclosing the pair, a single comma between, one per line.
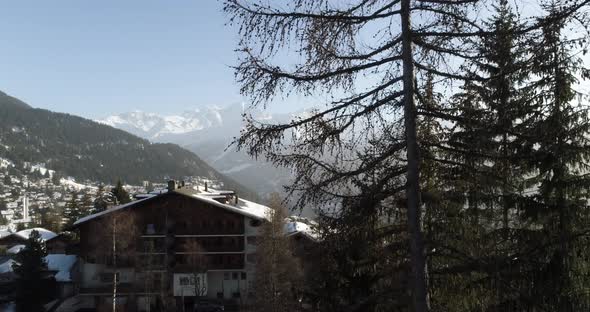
(226,276)
(251,258)
(251,240)
(243,276)
(234,275)
(108,277)
(185,281)
(150,229)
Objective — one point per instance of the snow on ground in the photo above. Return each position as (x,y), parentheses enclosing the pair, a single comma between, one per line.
(73,184)
(42,169)
(5,163)
(62,264)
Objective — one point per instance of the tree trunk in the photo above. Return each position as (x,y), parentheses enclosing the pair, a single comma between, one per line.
(114,266)
(413,187)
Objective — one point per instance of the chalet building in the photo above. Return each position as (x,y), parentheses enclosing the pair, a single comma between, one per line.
(179,245)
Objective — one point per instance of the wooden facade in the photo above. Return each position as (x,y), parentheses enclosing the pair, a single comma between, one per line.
(200,236)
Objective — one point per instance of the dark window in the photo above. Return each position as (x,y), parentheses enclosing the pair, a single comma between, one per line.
(234,275)
(226,276)
(244,275)
(251,258)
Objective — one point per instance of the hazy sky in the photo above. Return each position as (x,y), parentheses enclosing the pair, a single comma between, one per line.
(95,58)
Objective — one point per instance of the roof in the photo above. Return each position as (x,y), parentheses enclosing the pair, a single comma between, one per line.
(62,264)
(6,266)
(4,233)
(243,207)
(15,249)
(45,234)
(298,227)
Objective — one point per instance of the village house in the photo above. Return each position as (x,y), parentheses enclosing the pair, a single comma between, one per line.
(182,244)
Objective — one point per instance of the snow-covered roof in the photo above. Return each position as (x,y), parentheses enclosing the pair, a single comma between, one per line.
(45,234)
(294,227)
(15,249)
(62,264)
(243,207)
(98,214)
(4,233)
(7,266)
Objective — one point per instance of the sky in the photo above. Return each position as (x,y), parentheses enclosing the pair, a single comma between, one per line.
(97,58)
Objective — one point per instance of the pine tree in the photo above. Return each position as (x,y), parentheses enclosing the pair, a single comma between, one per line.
(559,206)
(120,193)
(100,203)
(30,268)
(278,274)
(86,204)
(72,211)
(7,179)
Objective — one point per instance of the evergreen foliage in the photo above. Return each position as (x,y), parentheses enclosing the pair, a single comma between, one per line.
(121,195)
(72,211)
(31,269)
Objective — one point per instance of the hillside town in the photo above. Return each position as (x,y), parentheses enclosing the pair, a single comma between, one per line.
(187,242)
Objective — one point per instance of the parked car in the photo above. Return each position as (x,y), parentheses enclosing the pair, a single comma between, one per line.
(208,306)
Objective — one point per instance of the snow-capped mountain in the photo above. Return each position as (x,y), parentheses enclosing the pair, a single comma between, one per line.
(208,132)
(179,128)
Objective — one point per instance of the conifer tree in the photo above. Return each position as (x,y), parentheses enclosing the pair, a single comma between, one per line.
(86,204)
(72,211)
(100,203)
(120,193)
(30,267)
(559,206)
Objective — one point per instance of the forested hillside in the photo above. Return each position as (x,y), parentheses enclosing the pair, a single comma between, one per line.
(84,149)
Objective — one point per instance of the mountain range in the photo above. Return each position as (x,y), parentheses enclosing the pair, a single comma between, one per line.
(87,150)
(208,132)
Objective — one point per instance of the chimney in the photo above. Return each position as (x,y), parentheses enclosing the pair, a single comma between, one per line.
(206,187)
(171,185)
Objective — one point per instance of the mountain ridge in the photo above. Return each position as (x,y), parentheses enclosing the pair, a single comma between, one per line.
(84,149)
(208,133)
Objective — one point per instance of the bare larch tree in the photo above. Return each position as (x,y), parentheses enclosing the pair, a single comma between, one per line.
(365,63)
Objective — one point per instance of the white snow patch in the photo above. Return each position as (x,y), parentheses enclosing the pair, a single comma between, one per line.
(15,249)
